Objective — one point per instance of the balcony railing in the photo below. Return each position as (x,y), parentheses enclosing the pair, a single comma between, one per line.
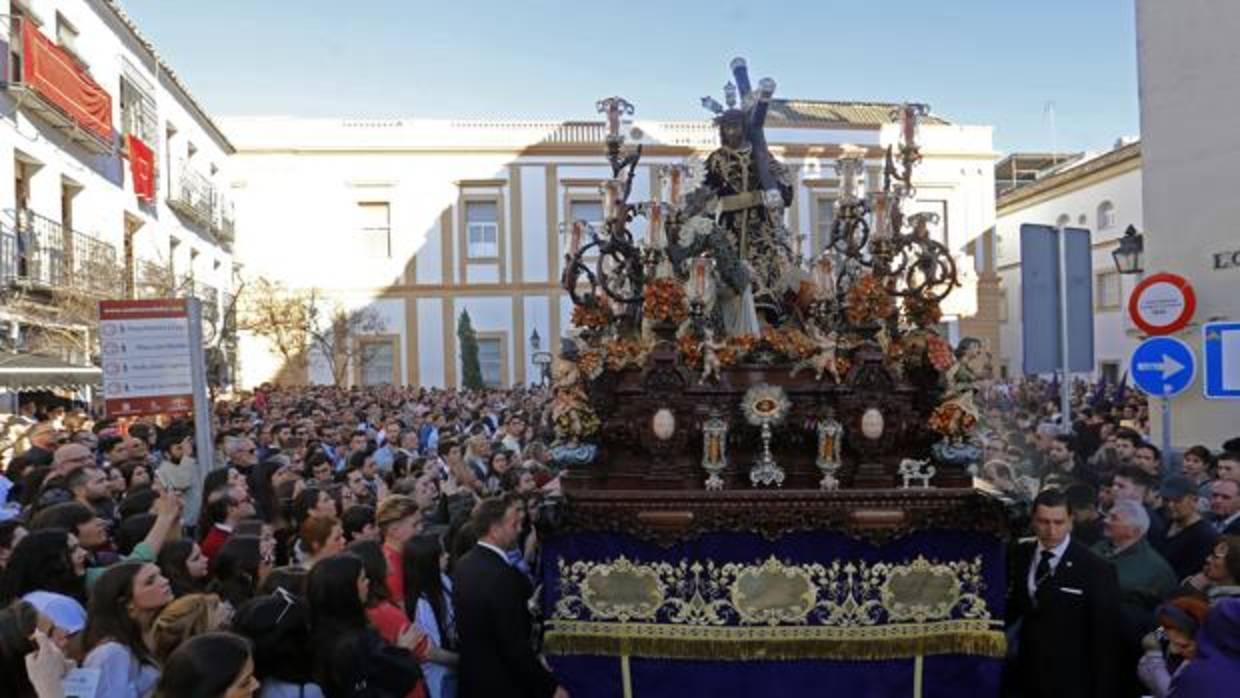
(49,81)
(39,254)
(196,198)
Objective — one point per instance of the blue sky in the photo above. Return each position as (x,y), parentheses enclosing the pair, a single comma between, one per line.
(992,62)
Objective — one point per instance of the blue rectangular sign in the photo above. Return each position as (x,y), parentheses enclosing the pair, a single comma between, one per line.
(1221,349)
(1039,297)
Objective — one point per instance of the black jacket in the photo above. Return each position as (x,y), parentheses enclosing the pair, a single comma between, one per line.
(1067,642)
(494,629)
(359,664)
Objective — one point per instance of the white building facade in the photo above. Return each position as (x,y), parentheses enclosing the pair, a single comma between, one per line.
(420,220)
(1187,54)
(115,174)
(1101,193)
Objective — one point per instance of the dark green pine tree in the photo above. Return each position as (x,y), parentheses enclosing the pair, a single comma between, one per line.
(471,369)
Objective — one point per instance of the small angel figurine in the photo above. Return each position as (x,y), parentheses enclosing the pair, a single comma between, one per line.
(710,356)
(823,360)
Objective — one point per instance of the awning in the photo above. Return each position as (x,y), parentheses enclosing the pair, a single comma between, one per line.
(38,372)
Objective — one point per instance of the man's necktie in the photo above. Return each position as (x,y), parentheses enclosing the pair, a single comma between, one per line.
(1043,569)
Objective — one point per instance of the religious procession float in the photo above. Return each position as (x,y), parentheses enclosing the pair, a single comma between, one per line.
(768,486)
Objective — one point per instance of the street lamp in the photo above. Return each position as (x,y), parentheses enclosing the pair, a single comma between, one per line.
(541,359)
(1129,256)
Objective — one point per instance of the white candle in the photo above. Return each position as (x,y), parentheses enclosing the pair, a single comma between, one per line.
(574,238)
(610,200)
(824,278)
(656,238)
(882,223)
(613,117)
(698,273)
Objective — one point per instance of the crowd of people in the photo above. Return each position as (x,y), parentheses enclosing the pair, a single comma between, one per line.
(384,542)
(339,543)
(1130,584)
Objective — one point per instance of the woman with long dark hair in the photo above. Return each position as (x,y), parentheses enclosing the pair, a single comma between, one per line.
(348,653)
(211,665)
(17,623)
(238,569)
(123,605)
(428,596)
(385,616)
(183,563)
(46,560)
(278,626)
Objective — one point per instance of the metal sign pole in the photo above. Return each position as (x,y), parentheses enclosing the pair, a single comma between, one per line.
(1166,434)
(204,444)
(1065,388)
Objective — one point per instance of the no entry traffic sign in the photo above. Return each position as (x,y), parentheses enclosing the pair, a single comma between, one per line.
(1162,304)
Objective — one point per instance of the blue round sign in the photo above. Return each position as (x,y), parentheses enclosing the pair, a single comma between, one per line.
(1163,366)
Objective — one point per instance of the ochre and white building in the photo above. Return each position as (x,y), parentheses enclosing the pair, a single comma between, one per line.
(115,176)
(422,219)
(1100,192)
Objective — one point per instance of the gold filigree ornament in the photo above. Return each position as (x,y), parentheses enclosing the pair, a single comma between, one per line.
(623,591)
(773,593)
(773,609)
(921,591)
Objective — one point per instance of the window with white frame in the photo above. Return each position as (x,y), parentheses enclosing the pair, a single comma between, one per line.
(138,115)
(491,361)
(374,228)
(585,210)
(482,229)
(1108,290)
(824,217)
(1003,306)
(1106,215)
(67,35)
(378,361)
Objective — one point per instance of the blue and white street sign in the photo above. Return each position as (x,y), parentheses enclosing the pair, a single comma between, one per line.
(1163,366)
(1221,353)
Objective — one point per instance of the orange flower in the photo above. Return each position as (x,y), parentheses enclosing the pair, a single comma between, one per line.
(939,353)
(594,316)
(842,365)
(690,350)
(922,312)
(664,301)
(869,302)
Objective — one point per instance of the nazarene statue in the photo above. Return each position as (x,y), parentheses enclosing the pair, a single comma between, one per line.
(743,194)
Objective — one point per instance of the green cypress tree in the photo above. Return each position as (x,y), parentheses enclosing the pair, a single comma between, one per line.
(471,368)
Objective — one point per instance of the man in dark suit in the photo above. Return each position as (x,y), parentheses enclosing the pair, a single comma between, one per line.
(1063,610)
(492,615)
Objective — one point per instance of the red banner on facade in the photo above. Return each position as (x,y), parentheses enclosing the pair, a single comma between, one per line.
(142,166)
(58,77)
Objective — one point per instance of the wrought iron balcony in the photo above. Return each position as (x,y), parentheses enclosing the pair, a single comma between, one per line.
(196,198)
(225,222)
(193,195)
(39,254)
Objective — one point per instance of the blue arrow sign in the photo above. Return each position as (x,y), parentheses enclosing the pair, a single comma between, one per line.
(1162,366)
(1221,356)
